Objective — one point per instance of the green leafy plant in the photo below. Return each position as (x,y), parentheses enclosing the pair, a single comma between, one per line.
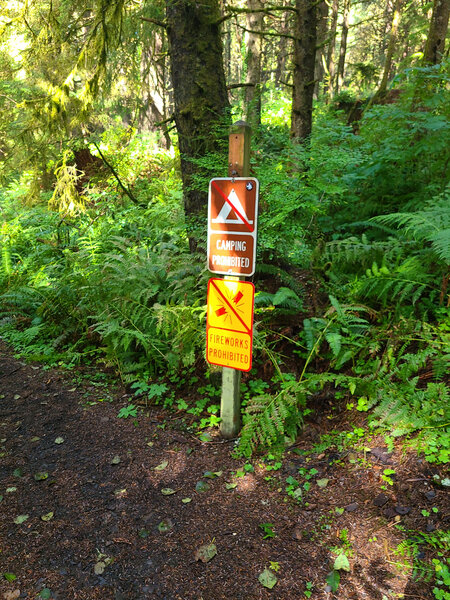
(127,411)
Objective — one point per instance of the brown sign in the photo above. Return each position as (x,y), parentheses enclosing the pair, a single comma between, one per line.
(232,225)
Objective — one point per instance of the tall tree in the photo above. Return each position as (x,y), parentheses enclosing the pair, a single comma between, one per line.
(199,90)
(343,46)
(322,18)
(253,39)
(329,86)
(389,52)
(303,68)
(435,44)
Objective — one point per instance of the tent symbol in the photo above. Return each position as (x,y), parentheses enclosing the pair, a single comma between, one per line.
(233,203)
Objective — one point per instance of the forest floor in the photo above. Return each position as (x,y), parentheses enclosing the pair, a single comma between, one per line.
(99,507)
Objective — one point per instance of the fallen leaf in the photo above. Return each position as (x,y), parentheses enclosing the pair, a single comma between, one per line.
(267,578)
(21,519)
(165,525)
(46,594)
(35,439)
(10,490)
(186,500)
(115,460)
(143,533)
(17,396)
(206,552)
(205,437)
(168,491)
(212,474)
(341,563)
(47,517)
(333,579)
(59,440)
(162,465)
(99,567)
(230,486)
(18,472)
(9,576)
(40,476)
(322,483)
(201,486)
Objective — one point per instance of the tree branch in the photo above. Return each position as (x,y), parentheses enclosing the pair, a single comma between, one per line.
(162,24)
(248,11)
(114,172)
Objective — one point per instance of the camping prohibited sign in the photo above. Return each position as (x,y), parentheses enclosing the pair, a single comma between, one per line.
(229,323)
(232,225)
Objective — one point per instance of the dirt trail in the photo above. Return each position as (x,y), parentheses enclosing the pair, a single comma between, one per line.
(114,535)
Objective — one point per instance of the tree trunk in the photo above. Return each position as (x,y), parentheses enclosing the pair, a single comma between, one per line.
(322,19)
(283,50)
(254,23)
(343,47)
(303,71)
(435,45)
(200,97)
(331,46)
(390,52)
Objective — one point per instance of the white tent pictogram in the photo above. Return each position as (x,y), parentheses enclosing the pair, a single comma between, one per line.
(228,207)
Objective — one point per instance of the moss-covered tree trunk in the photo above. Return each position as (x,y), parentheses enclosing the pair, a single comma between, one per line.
(200,96)
(435,45)
(303,71)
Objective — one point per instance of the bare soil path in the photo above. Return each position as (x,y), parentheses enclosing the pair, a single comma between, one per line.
(103,523)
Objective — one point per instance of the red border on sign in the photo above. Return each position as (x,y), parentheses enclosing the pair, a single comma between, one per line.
(246,223)
(248,329)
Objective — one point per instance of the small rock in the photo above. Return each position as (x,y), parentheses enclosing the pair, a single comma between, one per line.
(382,455)
(402,510)
(389,512)
(430,495)
(380,500)
(351,507)
(297,534)
(12,595)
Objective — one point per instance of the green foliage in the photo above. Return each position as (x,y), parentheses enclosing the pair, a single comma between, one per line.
(435,568)
(269,418)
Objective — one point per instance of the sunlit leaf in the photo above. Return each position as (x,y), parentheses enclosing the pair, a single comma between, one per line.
(48,516)
(341,563)
(267,578)
(168,491)
(59,440)
(162,465)
(40,476)
(230,486)
(21,519)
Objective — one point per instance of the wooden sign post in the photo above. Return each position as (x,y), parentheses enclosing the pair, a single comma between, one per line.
(230,404)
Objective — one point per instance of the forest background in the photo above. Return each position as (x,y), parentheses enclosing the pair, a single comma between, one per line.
(114,116)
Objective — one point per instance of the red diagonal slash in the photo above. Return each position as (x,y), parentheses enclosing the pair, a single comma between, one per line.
(248,330)
(246,223)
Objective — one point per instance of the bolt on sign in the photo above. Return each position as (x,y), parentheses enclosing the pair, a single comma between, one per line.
(229,323)
(232,225)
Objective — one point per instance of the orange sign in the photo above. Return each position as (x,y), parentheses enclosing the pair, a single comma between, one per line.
(229,323)
(232,225)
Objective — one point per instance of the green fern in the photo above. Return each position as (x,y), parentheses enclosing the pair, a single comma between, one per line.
(268,419)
